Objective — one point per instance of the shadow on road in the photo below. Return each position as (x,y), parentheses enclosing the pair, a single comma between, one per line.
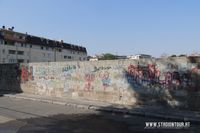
(73,123)
(100,122)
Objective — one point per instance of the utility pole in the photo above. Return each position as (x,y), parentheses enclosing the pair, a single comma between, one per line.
(54,54)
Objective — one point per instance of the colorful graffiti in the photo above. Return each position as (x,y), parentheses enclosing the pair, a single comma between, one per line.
(69,68)
(195,77)
(89,78)
(100,68)
(151,75)
(26,73)
(40,72)
(105,79)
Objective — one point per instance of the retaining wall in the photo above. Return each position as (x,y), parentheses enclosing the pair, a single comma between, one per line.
(174,82)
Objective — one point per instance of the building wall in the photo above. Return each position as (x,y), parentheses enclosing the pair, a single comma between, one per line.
(167,82)
(34,53)
(139,56)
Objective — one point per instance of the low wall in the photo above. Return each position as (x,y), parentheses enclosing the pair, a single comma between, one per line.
(173,82)
(10,78)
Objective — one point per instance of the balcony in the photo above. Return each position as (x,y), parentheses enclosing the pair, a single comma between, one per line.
(12,38)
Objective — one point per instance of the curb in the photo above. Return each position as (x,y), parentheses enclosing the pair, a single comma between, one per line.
(111,109)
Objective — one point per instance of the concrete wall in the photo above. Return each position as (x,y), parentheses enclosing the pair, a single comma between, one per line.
(102,81)
(173,82)
(9,78)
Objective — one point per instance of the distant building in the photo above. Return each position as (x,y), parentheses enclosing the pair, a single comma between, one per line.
(195,54)
(139,56)
(120,57)
(194,59)
(18,47)
(93,58)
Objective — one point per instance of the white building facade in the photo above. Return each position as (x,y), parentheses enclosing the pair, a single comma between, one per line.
(17,47)
(139,56)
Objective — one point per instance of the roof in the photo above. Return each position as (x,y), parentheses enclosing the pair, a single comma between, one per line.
(35,40)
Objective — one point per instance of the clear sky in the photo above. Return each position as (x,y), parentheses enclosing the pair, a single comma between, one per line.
(121,27)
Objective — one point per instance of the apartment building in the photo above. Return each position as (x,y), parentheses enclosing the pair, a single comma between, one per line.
(18,47)
(139,56)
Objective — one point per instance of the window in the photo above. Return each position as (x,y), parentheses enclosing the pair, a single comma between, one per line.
(11,51)
(1,41)
(65,57)
(69,57)
(11,60)
(60,50)
(20,60)
(42,47)
(30,46)
(22,45)
(20,37)
(73,52)
(20,52)
(47,48)
(9,43)
(3,51)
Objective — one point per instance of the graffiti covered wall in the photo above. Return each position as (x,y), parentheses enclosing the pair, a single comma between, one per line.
(173,81)
(95,81)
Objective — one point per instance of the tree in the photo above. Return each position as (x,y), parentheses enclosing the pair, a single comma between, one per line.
(182,55)
(173,55)
(108,56)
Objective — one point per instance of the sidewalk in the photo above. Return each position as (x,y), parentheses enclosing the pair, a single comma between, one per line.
(146,111)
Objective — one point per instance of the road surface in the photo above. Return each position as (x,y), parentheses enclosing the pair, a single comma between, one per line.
(25,116)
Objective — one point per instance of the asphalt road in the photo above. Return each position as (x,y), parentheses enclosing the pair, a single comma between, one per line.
(25,116)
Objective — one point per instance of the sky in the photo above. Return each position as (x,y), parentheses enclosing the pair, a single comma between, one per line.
(123,27)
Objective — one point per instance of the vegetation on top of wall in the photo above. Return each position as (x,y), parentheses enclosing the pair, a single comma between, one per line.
(182,55)
(173,56)
(108,56)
